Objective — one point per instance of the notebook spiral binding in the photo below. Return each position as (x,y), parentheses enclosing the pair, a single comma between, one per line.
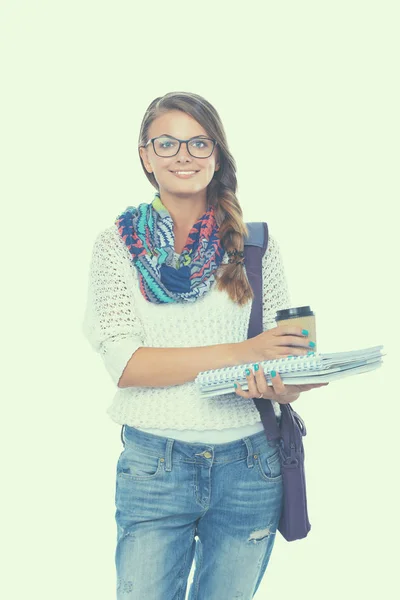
(282,365)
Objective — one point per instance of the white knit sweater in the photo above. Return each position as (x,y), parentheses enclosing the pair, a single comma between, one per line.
(118,320)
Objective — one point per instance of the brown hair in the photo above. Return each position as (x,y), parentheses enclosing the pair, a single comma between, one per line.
(220,191)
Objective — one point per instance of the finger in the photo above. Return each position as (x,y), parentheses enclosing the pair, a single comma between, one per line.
(251,382)
(287,351)
(278,384)
(291,340)
(290,330)
(239,391)
(261,380)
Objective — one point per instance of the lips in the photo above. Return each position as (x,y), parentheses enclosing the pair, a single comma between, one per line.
(184,175)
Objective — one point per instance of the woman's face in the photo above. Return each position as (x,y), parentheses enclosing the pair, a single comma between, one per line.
(182,126)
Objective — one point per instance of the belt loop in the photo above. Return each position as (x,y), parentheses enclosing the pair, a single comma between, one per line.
(168,454)
(250,458)
(122,437)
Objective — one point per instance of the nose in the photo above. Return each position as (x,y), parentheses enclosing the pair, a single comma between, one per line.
(183,154)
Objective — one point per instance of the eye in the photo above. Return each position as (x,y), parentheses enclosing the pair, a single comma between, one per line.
(200,143)
(164,143)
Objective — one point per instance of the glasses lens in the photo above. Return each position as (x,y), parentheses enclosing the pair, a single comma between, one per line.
(201,147)
(165,146)
(198,147)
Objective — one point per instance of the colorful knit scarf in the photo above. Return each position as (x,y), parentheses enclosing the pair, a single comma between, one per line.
(148,233)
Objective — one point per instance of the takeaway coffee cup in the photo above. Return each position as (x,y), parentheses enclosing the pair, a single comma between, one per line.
(300,316)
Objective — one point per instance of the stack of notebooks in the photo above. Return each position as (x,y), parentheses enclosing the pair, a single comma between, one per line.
(297,370)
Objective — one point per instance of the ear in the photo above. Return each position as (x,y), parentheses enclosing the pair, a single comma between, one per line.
(144,157)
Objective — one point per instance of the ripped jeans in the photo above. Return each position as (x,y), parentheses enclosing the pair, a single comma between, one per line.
(176,501)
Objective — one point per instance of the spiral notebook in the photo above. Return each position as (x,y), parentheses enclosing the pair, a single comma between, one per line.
(316,368)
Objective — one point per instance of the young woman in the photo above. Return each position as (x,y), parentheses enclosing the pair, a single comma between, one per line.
(168,298)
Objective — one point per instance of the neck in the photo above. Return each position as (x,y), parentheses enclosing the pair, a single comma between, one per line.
(184,211)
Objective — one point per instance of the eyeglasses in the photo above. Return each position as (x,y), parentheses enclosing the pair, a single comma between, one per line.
(166,145)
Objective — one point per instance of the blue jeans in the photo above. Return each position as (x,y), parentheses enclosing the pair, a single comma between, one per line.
(219,504)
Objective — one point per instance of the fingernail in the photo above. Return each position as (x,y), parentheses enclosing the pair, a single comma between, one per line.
(247,372)
(273,373)
(309,353)
(305,332)
(312,345)
(235,385)
(256,367)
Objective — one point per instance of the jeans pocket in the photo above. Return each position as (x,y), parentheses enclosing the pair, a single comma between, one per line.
(133,464)
(269,466)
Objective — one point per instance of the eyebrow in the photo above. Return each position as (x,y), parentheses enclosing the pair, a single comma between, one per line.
(193,136)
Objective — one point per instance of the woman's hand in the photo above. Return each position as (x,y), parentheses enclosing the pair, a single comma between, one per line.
(277,342)
(284,394)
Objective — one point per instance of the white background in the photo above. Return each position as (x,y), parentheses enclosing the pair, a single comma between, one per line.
(308,95)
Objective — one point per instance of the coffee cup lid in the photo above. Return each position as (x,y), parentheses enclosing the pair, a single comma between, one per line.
(292,313)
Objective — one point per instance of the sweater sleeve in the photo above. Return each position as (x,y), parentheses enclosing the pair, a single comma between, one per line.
(275,289)
(110,323)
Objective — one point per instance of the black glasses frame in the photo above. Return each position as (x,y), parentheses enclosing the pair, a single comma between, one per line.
(195,137)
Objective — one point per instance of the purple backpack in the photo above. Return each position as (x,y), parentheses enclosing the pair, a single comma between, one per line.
(289,432)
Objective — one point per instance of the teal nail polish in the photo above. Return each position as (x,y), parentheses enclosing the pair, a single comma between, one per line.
(273,373)
(310,353)
(256,367)
(312,345)
(305,332)
(247,372)
(235,385)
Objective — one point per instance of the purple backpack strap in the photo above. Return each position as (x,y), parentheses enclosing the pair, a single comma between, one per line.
(255,246)
(294,523)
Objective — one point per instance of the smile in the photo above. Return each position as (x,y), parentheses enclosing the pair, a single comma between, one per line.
(184,174)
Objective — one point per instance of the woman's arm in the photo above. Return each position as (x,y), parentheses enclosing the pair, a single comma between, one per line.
(116,333)
(159,367)
(110,323)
